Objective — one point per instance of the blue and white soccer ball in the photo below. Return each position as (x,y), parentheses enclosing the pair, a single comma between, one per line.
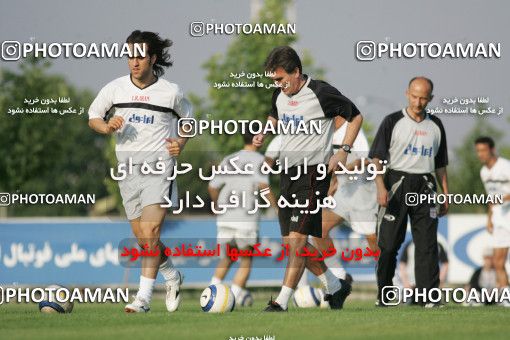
(307,297)
(217,299)
(245,299)
(51,304)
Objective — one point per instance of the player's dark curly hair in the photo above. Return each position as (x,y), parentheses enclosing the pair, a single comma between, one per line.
(285,57)
(157,46)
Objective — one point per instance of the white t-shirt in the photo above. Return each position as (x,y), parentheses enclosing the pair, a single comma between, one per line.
(359,149)
(240,183)
(273,149)
(496,180)
(319,102)
(411,146)
(150,115)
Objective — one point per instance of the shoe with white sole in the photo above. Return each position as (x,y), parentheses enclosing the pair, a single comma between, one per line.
(173,296)
(505,303)
(433,305)
(137,306)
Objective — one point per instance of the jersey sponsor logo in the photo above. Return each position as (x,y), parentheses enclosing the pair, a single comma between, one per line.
(293,103)
(292,118)
(415,150)
(141,119)
(140,98)
(420,133)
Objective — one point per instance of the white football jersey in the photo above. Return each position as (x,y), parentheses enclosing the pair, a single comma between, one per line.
(496,180)
(150,116)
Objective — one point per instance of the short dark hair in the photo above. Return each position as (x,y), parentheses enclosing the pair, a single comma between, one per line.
(424,78)
(485,140)
(285,57)
(157,46)
(247,137)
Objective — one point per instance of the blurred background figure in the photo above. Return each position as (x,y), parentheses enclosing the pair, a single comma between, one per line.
(483,277)
(495,175)
(236,227)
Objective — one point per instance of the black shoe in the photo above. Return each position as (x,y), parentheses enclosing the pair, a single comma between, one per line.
(348,278)
(273,306)
(336,301)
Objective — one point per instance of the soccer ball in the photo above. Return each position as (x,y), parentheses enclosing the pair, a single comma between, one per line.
(244,299)
(307,297)
(217,299)
(50,304)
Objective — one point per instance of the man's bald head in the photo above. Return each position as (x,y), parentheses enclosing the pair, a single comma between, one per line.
(423,83)
(419,94)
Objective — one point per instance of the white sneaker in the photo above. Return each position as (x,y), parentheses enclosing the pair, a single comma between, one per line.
(505,303)
(173,298)
(137,306)
(244,298)
(433,305)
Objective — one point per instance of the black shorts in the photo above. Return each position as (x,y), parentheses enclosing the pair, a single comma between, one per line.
(305,187)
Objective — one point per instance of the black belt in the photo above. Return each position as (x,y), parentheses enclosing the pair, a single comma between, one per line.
(407,174)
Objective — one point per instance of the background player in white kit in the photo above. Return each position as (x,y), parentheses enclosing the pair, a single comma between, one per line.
(356,200)
(495,175)
(144,115)
(236,227)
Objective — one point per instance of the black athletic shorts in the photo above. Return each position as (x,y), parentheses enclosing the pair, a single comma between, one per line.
(304,187)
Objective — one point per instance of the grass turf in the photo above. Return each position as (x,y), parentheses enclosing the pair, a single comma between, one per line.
(358,320)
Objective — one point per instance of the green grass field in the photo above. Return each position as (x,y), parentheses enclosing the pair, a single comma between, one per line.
(358,320)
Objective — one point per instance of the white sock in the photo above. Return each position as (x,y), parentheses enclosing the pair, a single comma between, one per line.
(215,280)
(145,290)
(236,290)
(330,282)
(284,296)
(168,270)
(334,264)
(304,279)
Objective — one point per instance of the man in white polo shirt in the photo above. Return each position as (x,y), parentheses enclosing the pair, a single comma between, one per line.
(495,175)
